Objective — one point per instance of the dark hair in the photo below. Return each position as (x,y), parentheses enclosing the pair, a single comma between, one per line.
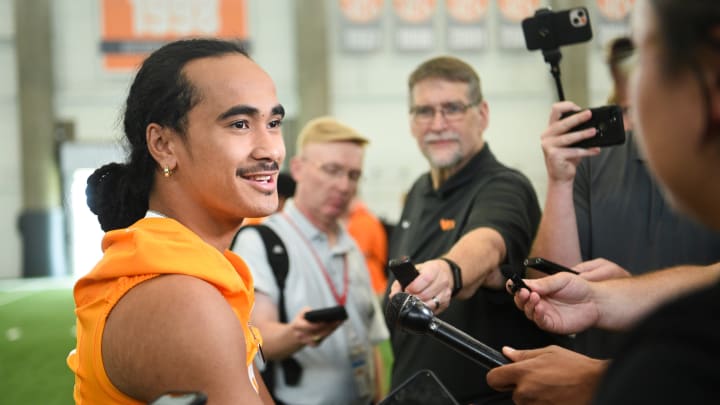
(118,193)
(285,185)
(450,69)
(619,50)
(684,28)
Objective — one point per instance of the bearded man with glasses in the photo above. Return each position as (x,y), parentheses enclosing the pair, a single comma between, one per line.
(462,220)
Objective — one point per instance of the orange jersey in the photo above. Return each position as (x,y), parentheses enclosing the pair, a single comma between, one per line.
(147,249)
(369,234)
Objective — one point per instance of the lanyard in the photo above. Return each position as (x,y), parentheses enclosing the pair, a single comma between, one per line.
(340,299)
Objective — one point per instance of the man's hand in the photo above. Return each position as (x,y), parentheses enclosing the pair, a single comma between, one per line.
(562,303)
(561,160)
(311,333)
(550,375)
(433,286)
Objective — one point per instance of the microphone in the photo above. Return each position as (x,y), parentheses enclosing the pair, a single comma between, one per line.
(408,312)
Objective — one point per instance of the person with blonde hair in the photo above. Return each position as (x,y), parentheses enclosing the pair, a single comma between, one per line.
(334,362)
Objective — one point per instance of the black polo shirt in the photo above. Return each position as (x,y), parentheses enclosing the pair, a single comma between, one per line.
(484,193)
(671,357)
(622,216)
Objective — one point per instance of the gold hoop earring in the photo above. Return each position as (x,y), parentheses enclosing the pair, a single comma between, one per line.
(167,172)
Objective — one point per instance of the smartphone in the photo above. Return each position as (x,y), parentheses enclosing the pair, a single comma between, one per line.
(329,314)
(551,29)
(546,266)
(515,274)
(404,270)
(608,122)
(181,398)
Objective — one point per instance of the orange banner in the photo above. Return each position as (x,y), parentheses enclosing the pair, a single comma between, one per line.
(133,28)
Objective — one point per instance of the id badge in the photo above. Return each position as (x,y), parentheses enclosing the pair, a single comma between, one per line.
(361,370)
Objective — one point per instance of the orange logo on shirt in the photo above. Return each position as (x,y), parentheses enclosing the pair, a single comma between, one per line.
(447,224)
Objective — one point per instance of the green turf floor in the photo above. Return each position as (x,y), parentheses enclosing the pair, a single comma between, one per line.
(37,330)
(36,333)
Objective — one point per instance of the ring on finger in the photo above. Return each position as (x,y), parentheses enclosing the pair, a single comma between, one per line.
(436,301)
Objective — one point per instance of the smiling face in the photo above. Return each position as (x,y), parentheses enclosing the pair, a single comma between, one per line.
(227,162)
(670,114)
(447,143)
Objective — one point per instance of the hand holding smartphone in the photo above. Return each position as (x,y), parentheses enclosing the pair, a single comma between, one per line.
(608,123)
(329,314)
(404,270)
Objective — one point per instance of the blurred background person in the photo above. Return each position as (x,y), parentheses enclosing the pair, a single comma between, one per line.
(369,233)
(320,362)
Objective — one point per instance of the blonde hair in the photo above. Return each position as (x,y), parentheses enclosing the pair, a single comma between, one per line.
(328,129)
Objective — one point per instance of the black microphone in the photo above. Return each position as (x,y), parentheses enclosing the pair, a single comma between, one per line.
(412,315)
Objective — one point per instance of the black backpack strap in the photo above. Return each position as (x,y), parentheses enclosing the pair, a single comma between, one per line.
(278,259)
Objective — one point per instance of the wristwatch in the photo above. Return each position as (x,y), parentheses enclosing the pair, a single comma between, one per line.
(457,275)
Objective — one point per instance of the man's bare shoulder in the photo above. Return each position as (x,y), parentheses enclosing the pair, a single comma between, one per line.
(174,332)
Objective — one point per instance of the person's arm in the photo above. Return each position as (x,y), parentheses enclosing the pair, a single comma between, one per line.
(565,303)
(557,237)
(550,375)
(478,253)
(262,388)
(625,300)
(281,340)
(177,333)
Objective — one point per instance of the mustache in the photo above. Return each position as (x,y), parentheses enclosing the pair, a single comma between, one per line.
(442,136)
(260,167)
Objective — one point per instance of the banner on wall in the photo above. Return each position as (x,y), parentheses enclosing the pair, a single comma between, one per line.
(360,29)
(414,28)
(512,12)
(131,29)
(613,19)
(466,28)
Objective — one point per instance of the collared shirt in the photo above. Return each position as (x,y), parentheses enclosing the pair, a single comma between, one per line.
(327,373)
(484,193)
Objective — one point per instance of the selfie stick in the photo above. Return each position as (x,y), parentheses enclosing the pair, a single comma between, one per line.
(553,56)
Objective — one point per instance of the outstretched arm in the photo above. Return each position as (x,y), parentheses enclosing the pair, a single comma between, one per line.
(566,303)
(477,253)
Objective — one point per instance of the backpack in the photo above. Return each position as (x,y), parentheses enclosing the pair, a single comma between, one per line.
(278,260)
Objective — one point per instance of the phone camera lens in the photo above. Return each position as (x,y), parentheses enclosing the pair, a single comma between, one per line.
(576,21)
(581,13)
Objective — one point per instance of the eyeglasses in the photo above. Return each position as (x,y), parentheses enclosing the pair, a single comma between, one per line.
(452,111)
(337,171)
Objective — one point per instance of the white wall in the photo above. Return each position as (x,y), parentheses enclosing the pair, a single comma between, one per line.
(10,163)
(368,92)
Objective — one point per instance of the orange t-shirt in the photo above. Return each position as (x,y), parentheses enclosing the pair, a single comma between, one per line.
(369,234)
(147,249)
